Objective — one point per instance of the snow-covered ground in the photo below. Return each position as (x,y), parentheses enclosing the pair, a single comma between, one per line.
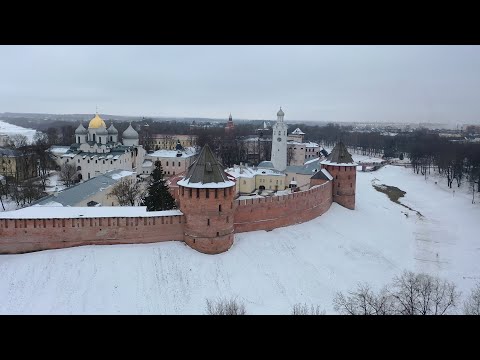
(268,271)
(10,130)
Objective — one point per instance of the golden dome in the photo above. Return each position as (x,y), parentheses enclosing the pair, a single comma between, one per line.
(96,122)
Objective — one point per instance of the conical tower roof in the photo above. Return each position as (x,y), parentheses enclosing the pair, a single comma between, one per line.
(206,172)
(339,156)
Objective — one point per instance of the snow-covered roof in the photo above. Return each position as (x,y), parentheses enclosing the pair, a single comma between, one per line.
(62,212)
(212,185)
(76,194)
(248,172)
(306,144)
(121,174)
(244,172)
(297,131)
(248,197)
(147,163)
(57,150)
(69,155)
(188,152)
(311,161)
(266,164)
(327,162)
(327,174)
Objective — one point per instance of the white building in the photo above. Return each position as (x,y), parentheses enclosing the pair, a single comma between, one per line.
(279,143)
(298,153)
(97,150)
(173,162)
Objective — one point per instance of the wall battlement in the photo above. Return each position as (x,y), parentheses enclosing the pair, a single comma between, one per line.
(280,211)
(26,235)
(210,219)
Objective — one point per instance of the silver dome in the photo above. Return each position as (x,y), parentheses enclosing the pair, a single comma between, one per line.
(130,133)
(112,130)
(80,130)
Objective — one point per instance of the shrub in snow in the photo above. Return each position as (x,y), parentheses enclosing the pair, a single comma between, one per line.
(409,294)
(304,309)
(225,307)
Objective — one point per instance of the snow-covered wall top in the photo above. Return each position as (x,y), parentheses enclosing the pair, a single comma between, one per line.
(54,212)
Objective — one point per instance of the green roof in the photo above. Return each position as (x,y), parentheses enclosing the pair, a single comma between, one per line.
(206,169)
(340,155)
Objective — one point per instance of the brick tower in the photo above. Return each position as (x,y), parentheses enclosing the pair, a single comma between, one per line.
(344,172)
(207,200)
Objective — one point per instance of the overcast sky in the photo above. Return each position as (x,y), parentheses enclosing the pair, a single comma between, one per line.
(323,83)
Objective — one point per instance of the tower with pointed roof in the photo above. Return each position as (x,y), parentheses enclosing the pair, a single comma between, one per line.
(279,143)
(206,197)
(343,169)
(230,127)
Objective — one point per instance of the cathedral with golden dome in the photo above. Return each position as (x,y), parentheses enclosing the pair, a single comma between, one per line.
(97,149)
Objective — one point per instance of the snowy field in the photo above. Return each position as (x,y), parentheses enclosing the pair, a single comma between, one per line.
(10,130)
(268,271)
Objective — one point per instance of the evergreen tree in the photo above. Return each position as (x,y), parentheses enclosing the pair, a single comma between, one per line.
(158,197)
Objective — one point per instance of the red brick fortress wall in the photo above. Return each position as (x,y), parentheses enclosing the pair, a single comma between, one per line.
(278,211)
(344,184)
(25,235)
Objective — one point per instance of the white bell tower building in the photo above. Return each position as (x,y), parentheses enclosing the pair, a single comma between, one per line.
(279,143)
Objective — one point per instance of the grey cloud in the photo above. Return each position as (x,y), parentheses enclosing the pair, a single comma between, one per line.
(328,83)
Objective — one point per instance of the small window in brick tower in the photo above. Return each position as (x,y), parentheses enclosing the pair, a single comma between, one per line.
(220,208)
(208,222)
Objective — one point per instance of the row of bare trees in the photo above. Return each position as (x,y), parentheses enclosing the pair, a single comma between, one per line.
(408,294)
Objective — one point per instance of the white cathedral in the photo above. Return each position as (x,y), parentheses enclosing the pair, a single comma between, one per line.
(97,150)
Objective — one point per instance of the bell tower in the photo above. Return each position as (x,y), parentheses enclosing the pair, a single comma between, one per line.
(279,143)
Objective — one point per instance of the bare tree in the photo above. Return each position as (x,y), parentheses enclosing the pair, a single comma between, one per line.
(17,141)
(471,306)
(127,191)
(363,301)
(31,191)
(423,294)
(3,189)
(45,162)
(225,307)
(68,174)
(304,309)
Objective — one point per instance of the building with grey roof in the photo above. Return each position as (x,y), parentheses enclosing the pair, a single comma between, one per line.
(93,192)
